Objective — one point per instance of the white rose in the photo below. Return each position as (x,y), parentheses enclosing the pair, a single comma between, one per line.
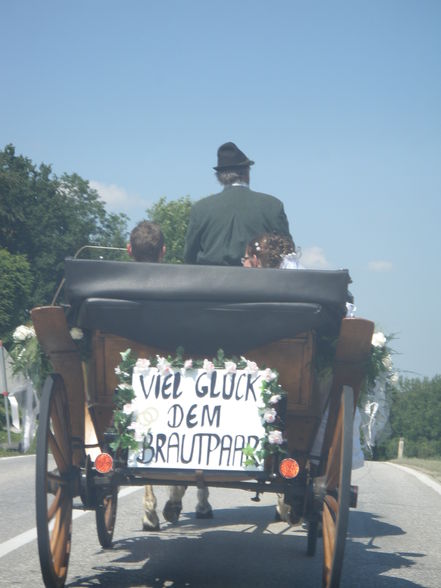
(387,362)
(188,364)
(378,339)
(274,399)
(394,378)
(23,332)
(127,409)
(76,334)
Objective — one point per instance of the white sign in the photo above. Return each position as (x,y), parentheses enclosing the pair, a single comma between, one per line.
(195,419)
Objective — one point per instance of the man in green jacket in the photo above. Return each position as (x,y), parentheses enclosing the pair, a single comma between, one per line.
(221,225)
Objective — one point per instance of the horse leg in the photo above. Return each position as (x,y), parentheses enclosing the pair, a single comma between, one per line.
(285,512)
(173,506)
(150,521)
(203,507)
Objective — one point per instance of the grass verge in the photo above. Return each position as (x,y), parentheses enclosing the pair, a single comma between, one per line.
(14,448)
(430,467)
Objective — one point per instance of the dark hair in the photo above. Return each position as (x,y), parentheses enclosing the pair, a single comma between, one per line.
(270,248)
(147,241)
(231,175)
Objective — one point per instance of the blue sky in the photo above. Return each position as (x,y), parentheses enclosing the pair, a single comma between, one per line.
(338,103)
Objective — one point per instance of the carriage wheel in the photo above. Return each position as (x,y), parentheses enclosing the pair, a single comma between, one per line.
(337,492)
(105,515)
(55,477)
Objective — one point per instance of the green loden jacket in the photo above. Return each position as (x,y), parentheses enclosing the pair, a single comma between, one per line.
(221,225)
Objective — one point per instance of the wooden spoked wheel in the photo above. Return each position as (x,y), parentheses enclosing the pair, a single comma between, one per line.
(105,514)
(337,492)
(55,477)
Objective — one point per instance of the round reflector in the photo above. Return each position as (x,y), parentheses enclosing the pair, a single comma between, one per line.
(103,463)
(289,468)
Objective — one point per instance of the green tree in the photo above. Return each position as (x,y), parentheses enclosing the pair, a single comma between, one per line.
(15,290)
(173,218)
(47,218)
(416,416)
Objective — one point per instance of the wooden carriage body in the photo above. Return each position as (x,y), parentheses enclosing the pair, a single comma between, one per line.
(275,318)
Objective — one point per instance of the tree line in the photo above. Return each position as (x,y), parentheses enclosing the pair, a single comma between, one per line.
(415,415)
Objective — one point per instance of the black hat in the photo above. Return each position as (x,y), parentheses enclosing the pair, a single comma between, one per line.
(229,155)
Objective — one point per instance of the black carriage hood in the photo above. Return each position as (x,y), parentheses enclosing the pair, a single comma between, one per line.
(203,308)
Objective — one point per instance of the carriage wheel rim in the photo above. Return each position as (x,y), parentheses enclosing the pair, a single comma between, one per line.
(54,486)
(335,513)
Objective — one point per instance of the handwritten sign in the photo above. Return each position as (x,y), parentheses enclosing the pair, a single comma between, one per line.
(195,419)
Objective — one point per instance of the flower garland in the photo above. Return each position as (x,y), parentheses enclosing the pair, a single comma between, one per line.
(375,396)
(380,363)
(28,359)
(124,419)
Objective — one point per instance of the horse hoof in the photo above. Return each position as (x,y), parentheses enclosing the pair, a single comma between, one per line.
(171,511)
(204,515)
(146,526)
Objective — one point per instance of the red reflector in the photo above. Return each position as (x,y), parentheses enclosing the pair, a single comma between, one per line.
(103,463)
(289,468)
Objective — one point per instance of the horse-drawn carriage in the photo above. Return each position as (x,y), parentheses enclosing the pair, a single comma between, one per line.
(277,320)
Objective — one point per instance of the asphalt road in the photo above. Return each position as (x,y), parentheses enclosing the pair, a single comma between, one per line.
(394,539)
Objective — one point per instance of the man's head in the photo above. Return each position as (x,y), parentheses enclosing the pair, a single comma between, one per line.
(146,242)
(233,166)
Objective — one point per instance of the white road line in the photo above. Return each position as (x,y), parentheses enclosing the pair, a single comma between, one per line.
(17,456)
(427,480)
(28,536)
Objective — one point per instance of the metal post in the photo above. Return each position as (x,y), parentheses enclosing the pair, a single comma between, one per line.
(400,448)
(4,391)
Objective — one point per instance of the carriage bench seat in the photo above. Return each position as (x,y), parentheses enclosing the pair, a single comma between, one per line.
(203,308)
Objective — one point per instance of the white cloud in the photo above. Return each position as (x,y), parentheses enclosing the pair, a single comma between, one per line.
(112,194)
(314,258)
(380,265)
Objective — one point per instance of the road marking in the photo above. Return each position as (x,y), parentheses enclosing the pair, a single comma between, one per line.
(17,457)
(425,479)
(28,536)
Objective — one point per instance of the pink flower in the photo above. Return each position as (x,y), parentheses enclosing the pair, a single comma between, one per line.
(163,366)
(142,364)
(269,375)
(275,437)
(269,416)
(188,364)
(252,367)
(230,367)
(274,399)
(208,366)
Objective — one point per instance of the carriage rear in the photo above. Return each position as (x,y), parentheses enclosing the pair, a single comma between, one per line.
(214,423)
